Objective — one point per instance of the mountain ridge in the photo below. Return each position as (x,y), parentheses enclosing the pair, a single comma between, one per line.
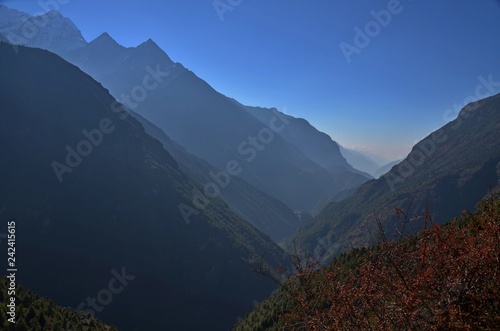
(190,111)
(360,161)
(451,168)
(316,145)
(117,209)
(204,121)
(268,214)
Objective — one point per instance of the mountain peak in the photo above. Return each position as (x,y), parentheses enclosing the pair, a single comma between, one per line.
(104,35)
(152,48)
(104,38)
(53,13)
(57,34)
(149,44)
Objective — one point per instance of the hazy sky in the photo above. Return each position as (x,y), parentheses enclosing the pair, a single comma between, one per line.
(400,84)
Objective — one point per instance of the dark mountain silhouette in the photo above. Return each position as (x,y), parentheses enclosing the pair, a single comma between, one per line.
(452,169)
(109,208)
(268,214)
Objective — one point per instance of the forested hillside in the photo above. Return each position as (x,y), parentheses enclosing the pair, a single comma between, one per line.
(445,278)
(36,313)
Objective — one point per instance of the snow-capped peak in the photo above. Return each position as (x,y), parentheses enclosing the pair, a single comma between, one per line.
(51,30)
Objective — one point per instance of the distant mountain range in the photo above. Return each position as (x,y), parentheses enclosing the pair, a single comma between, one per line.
(361,161)
(95,196)
(206,123)
(451,170)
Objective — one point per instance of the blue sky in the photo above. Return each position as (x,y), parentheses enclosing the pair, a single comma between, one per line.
(287,54)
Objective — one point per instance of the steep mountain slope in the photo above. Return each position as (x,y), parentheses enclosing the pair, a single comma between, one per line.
(451,169)
(268,214)
(96,204)
(385,168)
(360,161)
(206,123)
(49,31)
(109,62)
(316,145)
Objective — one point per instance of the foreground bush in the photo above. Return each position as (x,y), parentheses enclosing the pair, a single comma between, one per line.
(445,278)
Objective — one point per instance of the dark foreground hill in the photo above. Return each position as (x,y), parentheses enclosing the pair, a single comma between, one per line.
(96,202)
(34,313)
